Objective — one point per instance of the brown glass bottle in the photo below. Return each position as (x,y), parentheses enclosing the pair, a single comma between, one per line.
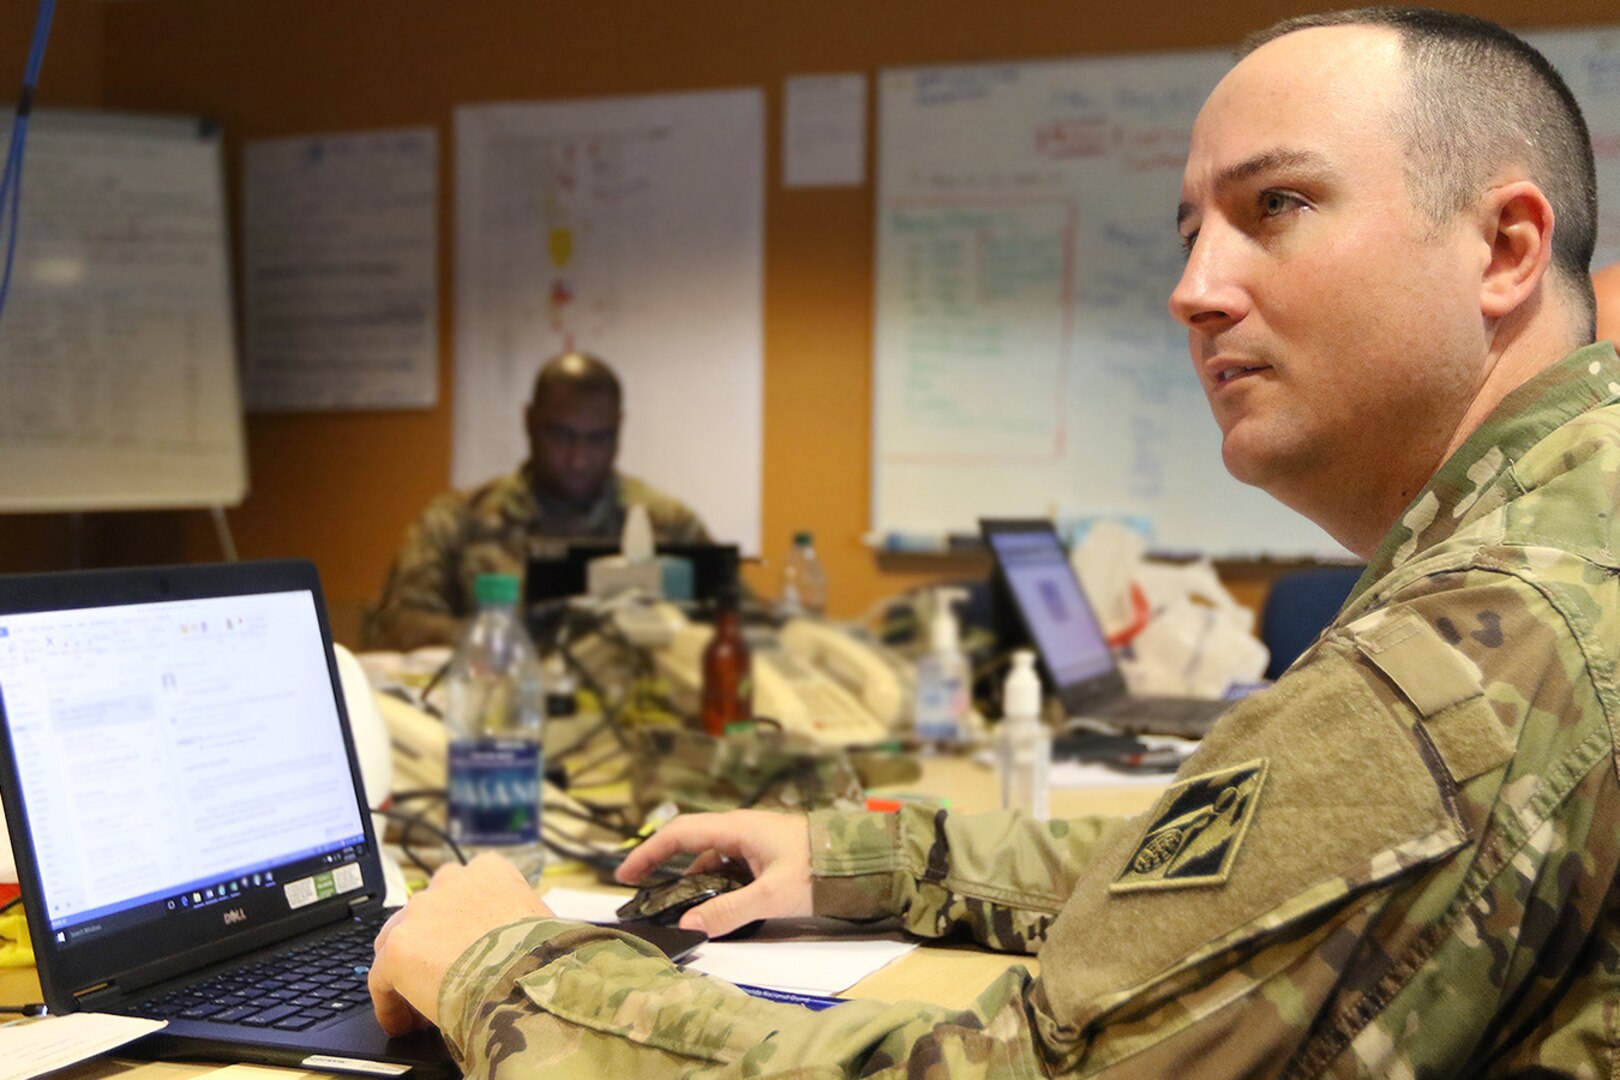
(728,679)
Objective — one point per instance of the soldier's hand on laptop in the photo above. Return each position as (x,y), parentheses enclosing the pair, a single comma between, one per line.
(775,846)
(416,947)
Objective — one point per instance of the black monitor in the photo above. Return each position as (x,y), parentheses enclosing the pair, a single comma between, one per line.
(713,565)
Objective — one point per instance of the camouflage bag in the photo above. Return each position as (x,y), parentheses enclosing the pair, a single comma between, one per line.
(759,767)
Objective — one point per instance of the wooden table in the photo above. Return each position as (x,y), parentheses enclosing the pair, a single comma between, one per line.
(952,976)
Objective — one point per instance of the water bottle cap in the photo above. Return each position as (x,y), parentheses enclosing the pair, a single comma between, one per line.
(803,538)
(495,588)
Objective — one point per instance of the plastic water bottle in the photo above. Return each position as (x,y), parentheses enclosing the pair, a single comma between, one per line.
(804,579)
(1023,745)
(495,702)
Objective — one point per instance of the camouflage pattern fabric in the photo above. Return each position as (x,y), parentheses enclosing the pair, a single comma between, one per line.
(760,767)
(497,528)
(1399,861)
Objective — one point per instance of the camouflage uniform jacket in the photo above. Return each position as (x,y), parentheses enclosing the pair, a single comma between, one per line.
(496,528)
(1399,861)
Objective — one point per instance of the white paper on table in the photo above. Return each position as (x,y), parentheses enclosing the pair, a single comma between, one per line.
(824,131)
(33,1047)
(805,956)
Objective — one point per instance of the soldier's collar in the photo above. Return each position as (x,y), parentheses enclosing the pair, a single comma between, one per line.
(1583,380)
(527,504)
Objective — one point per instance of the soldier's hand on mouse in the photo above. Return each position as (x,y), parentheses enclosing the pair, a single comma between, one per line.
(775,846)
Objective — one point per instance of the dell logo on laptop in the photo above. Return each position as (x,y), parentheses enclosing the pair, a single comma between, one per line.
(235,915)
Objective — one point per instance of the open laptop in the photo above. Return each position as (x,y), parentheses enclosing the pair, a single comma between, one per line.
(1054,612)
(184,801)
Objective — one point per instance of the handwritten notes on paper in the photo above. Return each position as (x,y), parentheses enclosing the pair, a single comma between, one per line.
(116,351)
(340,264)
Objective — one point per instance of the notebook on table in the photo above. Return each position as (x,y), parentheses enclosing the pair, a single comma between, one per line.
(1052,607)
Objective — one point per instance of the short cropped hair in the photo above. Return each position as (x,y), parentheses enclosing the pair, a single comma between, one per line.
(1481,98)
(580,372)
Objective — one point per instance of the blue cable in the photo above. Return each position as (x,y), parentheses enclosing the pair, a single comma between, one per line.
(11,178)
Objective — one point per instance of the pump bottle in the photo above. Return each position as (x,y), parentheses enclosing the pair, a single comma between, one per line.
(1023,745)
(942,676)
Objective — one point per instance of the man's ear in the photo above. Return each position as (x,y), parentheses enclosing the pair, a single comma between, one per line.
(1518,225)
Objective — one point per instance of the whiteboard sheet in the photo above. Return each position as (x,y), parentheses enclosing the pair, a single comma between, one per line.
(117,353)
(340,271)
(631,228)
(1025,360)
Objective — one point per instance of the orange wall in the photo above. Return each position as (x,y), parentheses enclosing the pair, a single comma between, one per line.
(341,487)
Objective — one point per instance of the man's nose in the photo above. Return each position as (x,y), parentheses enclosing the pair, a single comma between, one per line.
(1211,294)
(578,453)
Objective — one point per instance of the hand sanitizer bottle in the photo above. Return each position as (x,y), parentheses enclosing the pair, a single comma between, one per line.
(1023,745)
(942,676)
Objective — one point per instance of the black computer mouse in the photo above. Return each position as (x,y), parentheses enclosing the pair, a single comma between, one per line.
(666,901)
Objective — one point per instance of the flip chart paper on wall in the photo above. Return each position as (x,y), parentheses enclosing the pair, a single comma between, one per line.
(631,228)
(1025,361)
(340,271)
(116,347)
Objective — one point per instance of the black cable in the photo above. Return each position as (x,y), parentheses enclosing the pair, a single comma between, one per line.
(611,754)
(438,677)
(419,821)
(34,1008)
(582,741)
(590,814)
(598,860)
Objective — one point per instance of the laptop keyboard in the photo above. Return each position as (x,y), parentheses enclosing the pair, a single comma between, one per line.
(292,990)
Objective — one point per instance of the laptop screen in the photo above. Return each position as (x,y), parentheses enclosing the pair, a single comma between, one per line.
(1047,593)
(178,756)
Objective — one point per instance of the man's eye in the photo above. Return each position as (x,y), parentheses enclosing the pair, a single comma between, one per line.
(1188,241)
(1275,203)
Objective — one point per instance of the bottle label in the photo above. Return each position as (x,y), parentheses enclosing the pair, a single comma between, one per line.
(494,791)
(941,704)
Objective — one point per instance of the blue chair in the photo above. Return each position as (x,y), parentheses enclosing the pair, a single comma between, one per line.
(1299,607)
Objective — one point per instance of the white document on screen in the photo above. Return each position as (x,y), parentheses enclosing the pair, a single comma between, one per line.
(631,228)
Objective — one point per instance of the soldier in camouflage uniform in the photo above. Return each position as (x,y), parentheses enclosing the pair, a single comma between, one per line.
(1398,861)
(567,490)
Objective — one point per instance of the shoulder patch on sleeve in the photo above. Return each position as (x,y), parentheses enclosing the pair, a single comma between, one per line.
(1194,832)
